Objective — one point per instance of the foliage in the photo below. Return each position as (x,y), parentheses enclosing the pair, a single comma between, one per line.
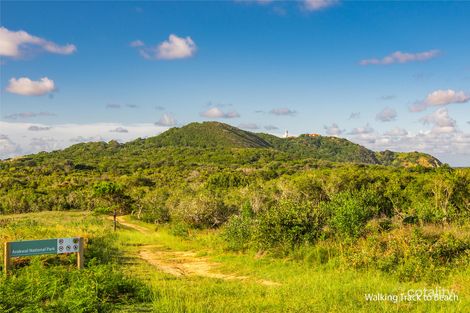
(266,193)
(36,288)
(201,210)
(413,254)
(51,283)
(349,212)
(288,224)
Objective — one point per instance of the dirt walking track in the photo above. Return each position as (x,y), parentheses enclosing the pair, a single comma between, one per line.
(182,263)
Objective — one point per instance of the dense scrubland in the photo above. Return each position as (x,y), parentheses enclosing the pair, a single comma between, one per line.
(318,203)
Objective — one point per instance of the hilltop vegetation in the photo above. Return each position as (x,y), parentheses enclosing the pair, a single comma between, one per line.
(322,148)
(220,141)
(206,135)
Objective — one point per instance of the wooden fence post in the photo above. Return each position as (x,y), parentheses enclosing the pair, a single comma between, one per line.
(6,257)
(81,253)
(114,219)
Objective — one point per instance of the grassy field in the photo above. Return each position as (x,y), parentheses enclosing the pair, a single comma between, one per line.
(144,268)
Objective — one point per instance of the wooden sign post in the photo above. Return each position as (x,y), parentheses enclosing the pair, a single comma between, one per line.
(81,253)
(6,257)
(14,249)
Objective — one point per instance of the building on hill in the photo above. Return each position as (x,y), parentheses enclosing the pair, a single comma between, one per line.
(286,135)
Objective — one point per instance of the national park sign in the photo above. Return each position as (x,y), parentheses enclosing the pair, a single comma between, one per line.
(25,248)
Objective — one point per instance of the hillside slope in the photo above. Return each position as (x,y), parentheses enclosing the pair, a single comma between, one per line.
(206,135)
(322,147)
(185,142)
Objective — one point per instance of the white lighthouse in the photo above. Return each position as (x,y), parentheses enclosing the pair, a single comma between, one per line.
(286,134)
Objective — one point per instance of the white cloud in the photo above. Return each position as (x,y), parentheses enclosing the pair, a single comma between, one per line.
(38,144)
(362,130)
(283,111)
(396,132)
(272,127)
(441,121)
(402,57)
(232,114)
(443,97)
(119,130)
(166,120)
(354,115)
(316,5)
(38,128)
(251,126)
(25,115)
(15,43)
(8,147)
(173,48)
(440,98)
(81,139)
(176,48)
(333,130)
(137,43)
(386,115)
(216,112)
(450,147)
(442,139)
(27,87)
(18,140)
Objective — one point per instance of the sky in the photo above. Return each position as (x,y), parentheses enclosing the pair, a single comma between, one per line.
(386,75)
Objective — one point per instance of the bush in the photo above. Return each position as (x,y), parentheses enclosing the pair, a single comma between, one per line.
(226,180)
(349,212)
(152,206)
(103,210)
(180,230)
(411,254)
(238,232)
(203,210)
(287,225)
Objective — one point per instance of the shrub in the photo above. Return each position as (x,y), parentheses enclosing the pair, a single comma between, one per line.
(238,232)
(226,180)
(411,254)
(288,224)
(150,205)
(349,213)
(179,229)
(203,210)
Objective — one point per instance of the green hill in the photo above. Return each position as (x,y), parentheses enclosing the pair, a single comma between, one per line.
(323,148)
(407,159)
(220,135)
(193,141)
(207,135)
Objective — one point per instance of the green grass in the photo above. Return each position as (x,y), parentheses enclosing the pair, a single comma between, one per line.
(304,286)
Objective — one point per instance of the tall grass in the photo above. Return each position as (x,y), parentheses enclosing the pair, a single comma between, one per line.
(52,283)
(313,278)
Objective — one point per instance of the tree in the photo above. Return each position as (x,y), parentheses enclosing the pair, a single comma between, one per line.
(111,193)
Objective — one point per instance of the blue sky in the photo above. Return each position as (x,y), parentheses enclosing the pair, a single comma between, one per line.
(386,75)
